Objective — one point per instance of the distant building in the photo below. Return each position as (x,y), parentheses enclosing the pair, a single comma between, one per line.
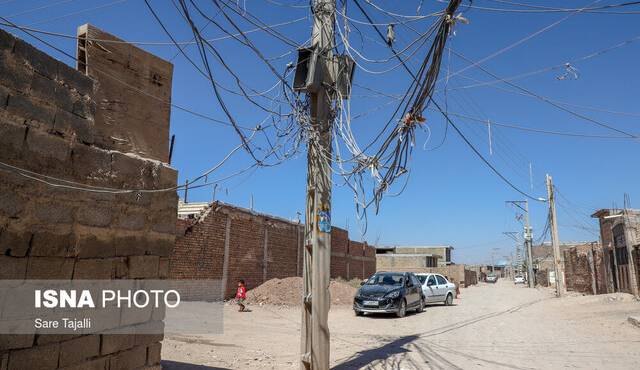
(413,256)
(543,262)
(616,226)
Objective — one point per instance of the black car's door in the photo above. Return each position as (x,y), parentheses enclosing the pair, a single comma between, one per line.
(412,288)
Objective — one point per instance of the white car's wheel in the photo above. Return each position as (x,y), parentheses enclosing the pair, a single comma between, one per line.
(449,300)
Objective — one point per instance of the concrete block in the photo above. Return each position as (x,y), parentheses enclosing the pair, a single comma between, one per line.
(15,341)
(97,364)
(161,247)
(84,107)
(14,241)
(54,213)
(50,244)
(130,246)
(143,267)
(94,216)
(163,268)
(149,332)
(74,79)
(93,269)
(43,339)
(35,358)
(131,220)
(168,177)
(128,169)
(77,350)
(47,147)
(70,125)
(134,198)
(11,140)
(4,96)
(14,75)
(120,268)
(154,353)
(7,40)
(113,342)
(50,268)
(11,203)
(38,60)
(51,92)
(13,268)
(130,359)
(91,163)
(91,246)
(134,315)
(35,113)
(164,222)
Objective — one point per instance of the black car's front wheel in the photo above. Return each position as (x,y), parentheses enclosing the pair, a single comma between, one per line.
(402,310)
(420,306)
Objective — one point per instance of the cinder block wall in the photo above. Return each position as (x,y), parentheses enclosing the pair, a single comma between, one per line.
(48,125)
(231,243)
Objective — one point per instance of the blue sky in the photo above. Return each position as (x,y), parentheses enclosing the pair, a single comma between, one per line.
(451,197)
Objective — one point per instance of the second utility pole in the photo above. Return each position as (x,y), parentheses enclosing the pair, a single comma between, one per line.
(317,250)
(557,258)
(528,240)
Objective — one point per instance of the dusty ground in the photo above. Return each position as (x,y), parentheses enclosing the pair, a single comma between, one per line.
(499,326)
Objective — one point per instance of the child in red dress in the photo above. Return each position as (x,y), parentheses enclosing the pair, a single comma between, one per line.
(241,295)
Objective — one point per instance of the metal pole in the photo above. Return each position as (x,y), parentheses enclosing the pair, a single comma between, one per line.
(317,250)
(557,257)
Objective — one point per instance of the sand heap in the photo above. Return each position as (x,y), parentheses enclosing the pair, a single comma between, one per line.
(288,292)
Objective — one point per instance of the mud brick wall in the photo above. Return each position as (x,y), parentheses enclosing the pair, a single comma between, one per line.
(231,243)
(585,266)
(470,278)
(130,126)
(48,125)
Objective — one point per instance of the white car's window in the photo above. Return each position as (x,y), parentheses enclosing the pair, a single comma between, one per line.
(441,280)
(431,281)
(422,279)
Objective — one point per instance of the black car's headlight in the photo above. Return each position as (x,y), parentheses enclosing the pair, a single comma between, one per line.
(394,294)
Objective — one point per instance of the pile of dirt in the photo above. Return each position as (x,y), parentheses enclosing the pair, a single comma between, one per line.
(288,292)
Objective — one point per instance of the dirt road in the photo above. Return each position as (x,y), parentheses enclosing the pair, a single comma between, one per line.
(499,326)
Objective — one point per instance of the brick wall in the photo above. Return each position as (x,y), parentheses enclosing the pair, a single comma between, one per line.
(256,248)
(48,125)
(585,269)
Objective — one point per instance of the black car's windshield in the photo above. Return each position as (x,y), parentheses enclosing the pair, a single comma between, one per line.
(386,279)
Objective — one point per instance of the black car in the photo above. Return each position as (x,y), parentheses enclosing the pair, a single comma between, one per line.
(389,292)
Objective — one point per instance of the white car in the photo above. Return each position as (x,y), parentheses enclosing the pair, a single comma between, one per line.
(437,288)
(518,279)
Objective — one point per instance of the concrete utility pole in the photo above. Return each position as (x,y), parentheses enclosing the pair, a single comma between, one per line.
(557,257)
(528,239)
(317,250)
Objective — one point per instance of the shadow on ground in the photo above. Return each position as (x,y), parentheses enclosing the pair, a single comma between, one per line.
(173,365)
(383,353)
